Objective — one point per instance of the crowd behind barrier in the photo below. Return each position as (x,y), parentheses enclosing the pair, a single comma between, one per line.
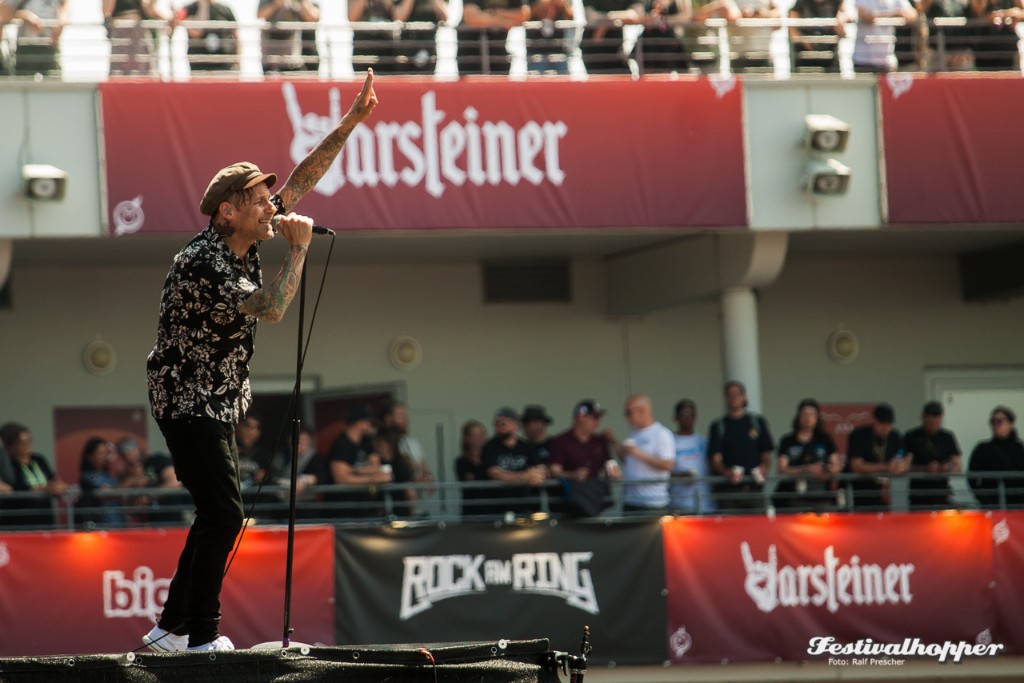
(376,471)
(776,46)
(156,508)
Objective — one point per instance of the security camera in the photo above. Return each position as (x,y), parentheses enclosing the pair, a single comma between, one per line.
(44,182)
(826,133)
(827,177)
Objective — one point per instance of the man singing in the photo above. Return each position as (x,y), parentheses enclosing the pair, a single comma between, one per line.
(198,371)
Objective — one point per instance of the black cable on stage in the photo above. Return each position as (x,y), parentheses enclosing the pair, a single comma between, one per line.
(280,433)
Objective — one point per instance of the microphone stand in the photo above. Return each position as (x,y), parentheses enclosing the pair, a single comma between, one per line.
(292,492)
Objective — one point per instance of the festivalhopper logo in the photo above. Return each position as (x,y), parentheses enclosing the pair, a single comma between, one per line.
(866,652)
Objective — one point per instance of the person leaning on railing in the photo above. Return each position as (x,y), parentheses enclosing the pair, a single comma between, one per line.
(32,473)
(993,30)
(816,48)
(211,48)
(37,47)
(1003,453)
(286,49)
(131,46)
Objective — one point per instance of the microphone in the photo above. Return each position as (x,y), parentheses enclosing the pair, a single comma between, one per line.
(317,229)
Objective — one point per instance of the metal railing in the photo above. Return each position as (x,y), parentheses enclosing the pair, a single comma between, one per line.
(494,501)
(160,50)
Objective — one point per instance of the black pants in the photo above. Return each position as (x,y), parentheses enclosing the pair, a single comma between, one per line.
(206,461)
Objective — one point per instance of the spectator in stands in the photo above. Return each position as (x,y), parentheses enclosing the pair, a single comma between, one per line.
(995,44)
(689,494)
(95,476)
(1003,453)
(469,466)
(354,462)
(372,47)
(485,30)
(6,467)
(874,50)
(875,453)
(582,457)
(37,48)
(286,49)
(535,420)
(253,457)
(662,39)
(394,415)
(31,473)
(313,471)
(131,46)
(416,45)
(807,461)
(386,445)
(513,461)
(394,49)
(740,447)
(604,45)
(211,49)
(649,453)
(548,46)
(955,40)
(931,450)
(816,48)
(132,475)
(159,469)
(704,45)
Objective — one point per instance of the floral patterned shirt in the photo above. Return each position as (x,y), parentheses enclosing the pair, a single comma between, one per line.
(199,366)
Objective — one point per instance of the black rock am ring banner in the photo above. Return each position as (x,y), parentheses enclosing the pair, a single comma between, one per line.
(473,582)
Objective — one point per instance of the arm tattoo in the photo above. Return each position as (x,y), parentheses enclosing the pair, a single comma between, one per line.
(311,169)
(269,303)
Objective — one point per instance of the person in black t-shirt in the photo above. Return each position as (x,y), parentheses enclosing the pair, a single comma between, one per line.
(739,449)
(808,459)
(875,452)
(932,450)
(353,461)
(512,460)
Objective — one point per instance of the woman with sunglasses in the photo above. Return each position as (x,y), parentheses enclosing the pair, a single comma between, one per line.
(1004,452)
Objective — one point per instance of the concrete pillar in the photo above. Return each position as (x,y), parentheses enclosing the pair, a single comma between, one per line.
(740,342)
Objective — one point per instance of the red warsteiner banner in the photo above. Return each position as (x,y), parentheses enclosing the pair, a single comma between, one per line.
(472,154)
(79,593)
(756,589)
(950,152)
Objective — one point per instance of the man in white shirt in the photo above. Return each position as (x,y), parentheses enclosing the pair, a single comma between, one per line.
(648,453)
(875,48)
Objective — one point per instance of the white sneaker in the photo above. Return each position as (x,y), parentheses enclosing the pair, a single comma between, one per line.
(221,643)
(159,640)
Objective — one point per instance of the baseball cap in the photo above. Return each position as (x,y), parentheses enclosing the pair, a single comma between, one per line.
(932,408)
(240,176)
(532,413)
(588,407)
(506,413)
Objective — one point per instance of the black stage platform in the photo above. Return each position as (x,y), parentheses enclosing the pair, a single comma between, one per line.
(524,661)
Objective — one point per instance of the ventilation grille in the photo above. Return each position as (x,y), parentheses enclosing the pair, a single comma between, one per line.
(527,282)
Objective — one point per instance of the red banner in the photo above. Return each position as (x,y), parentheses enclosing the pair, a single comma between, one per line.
(77,593)
(1008,592)
(467,154)
(950,150)
(756,589)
